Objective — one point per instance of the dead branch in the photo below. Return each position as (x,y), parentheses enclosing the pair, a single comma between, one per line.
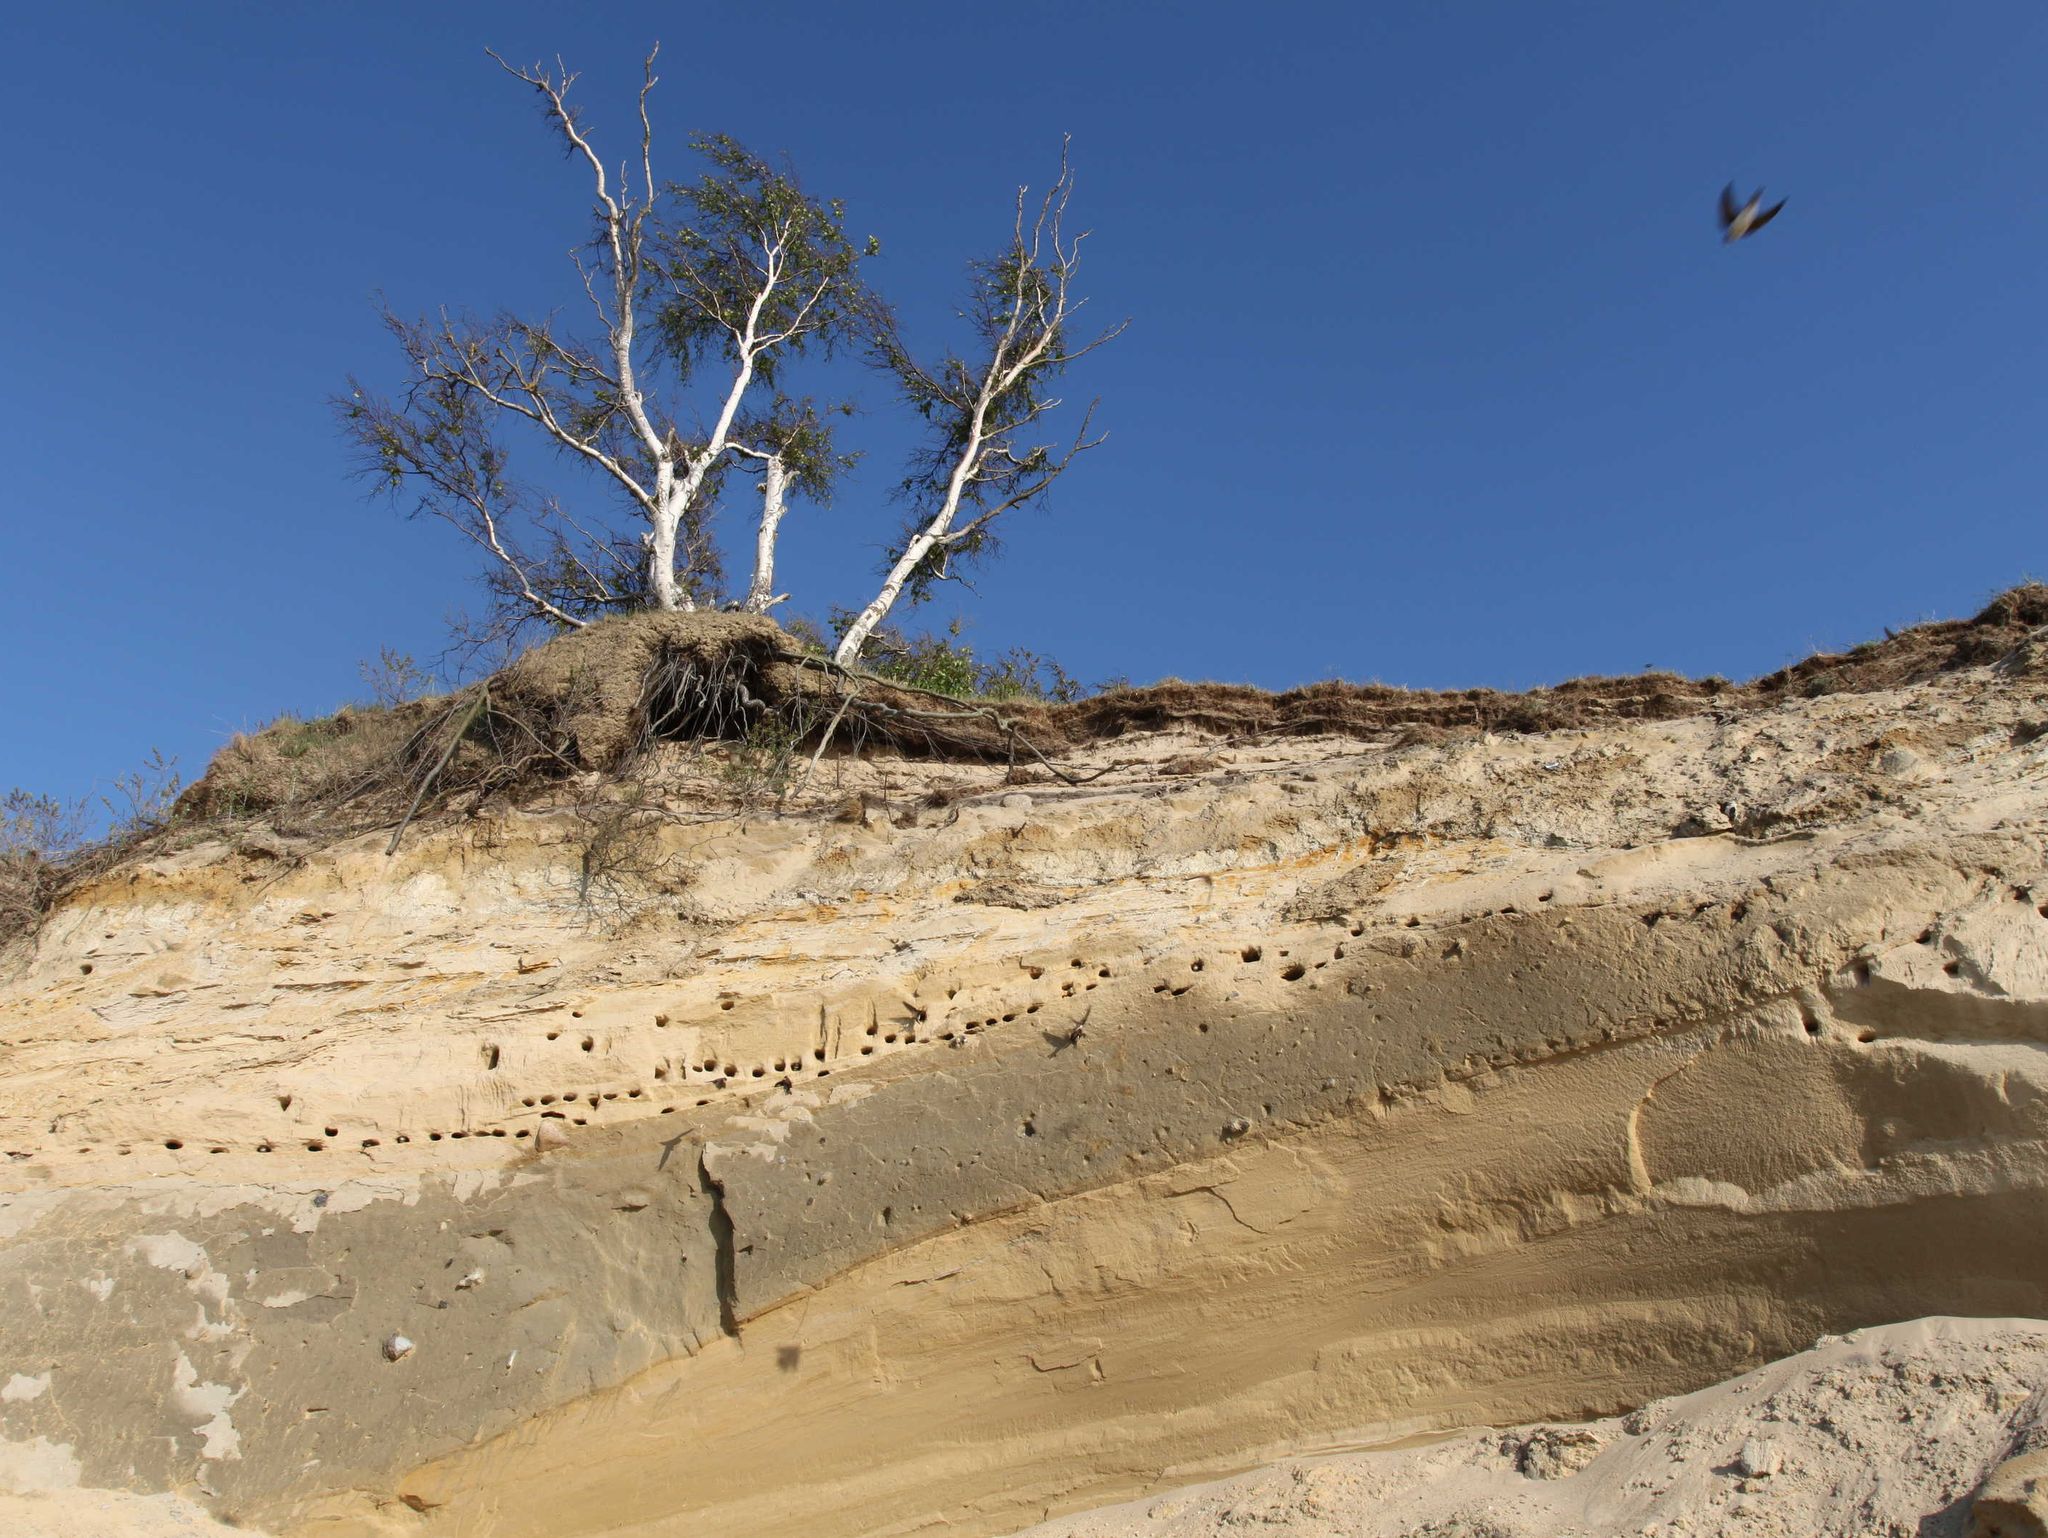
(483,696)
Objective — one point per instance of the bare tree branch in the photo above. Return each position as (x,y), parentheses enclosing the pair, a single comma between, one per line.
(1021,307)
(741,263)
(703,294)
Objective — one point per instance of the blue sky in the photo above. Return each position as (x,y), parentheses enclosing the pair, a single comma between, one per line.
(1438,372)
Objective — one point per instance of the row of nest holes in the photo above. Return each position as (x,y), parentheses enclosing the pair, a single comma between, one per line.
(316,1145)
(721,1073)
(907,1036)
(788,1064)
(319,1145)
(1812,1023)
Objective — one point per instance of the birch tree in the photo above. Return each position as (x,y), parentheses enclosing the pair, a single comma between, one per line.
(697,299)
(987,408)
(701,291)
(792,450)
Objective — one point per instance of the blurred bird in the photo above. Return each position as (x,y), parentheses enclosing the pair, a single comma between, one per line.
(1746,220)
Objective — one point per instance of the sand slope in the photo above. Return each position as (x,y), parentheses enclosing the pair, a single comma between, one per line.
(1884,1433)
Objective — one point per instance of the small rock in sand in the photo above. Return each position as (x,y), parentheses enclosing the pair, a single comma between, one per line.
(1758,1459)
(2013,1500)
(1555,1452)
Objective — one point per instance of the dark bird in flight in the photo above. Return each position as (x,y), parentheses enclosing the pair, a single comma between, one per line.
(1746,220)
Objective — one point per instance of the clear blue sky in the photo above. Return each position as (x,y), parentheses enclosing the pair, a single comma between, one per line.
(1438,372)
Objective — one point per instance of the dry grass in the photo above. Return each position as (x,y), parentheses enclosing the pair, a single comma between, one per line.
(590,705)
(1423,715)
(293,764)
(596,700)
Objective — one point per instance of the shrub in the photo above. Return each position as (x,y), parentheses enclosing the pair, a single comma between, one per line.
(147,797)
(46,843)
(37,835)
(393,678)
(945,664)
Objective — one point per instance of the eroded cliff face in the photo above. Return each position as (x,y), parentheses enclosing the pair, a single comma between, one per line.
(967,1163)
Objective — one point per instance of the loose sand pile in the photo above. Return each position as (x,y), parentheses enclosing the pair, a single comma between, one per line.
(1885,1433)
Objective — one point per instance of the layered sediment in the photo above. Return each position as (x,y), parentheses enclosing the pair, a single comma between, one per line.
(1932,1429)
(950,1152)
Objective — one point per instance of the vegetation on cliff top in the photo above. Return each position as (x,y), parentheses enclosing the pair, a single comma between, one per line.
(759,706)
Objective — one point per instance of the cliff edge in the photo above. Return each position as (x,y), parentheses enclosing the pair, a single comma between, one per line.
(959,1145)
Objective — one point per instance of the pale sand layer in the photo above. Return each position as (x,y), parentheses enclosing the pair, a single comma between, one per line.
(109,1514)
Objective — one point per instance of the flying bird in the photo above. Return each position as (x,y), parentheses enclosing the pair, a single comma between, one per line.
(1746,220)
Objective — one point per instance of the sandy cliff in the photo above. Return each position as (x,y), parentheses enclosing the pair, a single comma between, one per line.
(964,1159)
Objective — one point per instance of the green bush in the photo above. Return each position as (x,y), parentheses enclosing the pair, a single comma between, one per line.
(945,664)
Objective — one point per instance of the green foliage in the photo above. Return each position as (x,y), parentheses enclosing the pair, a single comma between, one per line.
(741,257)
(799,430)
(294,738)
(708,292)
(929,662)
(1011,305)
(1021,674)
(437,441)
(714,258)
(438,437)
(982,405)
(945,664)
(761,765)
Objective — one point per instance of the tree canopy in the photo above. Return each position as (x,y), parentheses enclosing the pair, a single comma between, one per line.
(705,299)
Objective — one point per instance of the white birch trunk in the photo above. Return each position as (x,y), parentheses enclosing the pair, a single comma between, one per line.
(672,502)
(661,547)
(774,503)
(679,475)
(847,653)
